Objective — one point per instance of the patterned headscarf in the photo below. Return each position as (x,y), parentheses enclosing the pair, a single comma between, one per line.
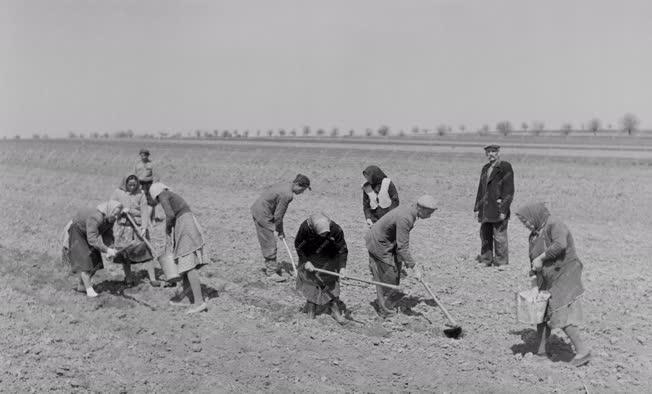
(156,189)
(535,213)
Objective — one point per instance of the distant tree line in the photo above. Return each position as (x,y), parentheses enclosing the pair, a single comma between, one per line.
(628,123)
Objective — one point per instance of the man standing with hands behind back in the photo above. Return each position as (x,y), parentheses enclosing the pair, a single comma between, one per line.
(495,195)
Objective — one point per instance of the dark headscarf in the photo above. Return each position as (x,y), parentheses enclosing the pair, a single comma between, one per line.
(376,175)
(535,213)
(123,185)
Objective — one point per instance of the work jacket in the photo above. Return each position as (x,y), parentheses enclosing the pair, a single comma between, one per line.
(495,192)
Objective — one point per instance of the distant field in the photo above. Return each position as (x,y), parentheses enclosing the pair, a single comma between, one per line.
(254,339)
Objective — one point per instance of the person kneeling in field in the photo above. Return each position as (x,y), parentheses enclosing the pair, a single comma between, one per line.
(379,194)
(181,225)
(268,212)
(388,243)
(132,249)
(559,271)
(89,234)
(320,244)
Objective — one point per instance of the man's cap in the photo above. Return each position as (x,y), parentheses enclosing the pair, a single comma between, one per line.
(492,146)
(145,151)
(427,201)
(302,181)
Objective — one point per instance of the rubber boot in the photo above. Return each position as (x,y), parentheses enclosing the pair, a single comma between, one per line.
(336,313)
(272,270)
(381,301)
(310,310)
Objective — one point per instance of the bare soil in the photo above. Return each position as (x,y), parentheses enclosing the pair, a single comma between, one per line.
(255,337)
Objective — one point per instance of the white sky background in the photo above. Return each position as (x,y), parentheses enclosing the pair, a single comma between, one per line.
(155,65)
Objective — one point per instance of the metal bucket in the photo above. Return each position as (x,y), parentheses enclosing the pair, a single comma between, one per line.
(531,305)
(166,260)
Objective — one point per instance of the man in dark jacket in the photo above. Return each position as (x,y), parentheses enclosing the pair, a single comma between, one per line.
(495,195)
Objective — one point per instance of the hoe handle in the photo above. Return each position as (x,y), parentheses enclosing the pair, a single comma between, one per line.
(373,282)
(133,223)
(294,265)
(448,316)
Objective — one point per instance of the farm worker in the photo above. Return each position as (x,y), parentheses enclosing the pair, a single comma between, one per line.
(379,194)
(132,248)
(495,195)
(88,236)
(320,243)
(559,271)
(268,212)
(182,227)
(144,170)
(388,243)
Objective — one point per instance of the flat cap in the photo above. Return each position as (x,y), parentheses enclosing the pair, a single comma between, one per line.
(302,181)
(144,150)
(492,146)
(427,201)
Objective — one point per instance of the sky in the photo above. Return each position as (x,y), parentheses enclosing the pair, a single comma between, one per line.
(160,65)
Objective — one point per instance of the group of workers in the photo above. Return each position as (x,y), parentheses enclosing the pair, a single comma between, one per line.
(321,246)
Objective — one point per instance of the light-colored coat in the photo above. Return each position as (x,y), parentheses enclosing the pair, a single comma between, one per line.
(269,209)
(390,236)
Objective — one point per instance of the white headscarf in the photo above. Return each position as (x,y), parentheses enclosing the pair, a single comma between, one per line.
(107,208)
(319,223)
(156,189)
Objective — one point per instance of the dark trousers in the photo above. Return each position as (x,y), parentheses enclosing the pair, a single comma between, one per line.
(145,185)
(493,238)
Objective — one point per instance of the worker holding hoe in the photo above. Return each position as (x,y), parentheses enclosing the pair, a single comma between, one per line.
(268,212)
(132,249)
(89,235)
(320,244)
(388,243)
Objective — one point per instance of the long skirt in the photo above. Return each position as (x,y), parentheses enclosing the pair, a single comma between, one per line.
(188,243)
(316,288)
(567,315)
(83,257)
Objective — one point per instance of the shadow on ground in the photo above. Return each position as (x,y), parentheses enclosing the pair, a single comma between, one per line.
(558,350)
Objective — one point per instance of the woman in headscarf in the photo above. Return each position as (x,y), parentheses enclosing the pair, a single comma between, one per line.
(132,249)
(379,195)
(320,243)
(559,271)
(181,225)
(88,236)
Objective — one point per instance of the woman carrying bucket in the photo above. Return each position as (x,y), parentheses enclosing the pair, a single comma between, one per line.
(181,225)
(89,234)
(133,250)
(559,271)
